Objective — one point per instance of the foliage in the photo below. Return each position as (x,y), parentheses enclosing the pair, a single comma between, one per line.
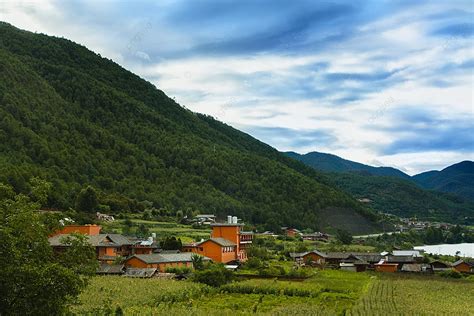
(178,270)
(344,236)
(71,117)
(86,200)
(171,243)
(214,275)
(33,280)
(198,263)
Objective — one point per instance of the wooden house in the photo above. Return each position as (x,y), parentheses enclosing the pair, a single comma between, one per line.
(438,266)
(463,266)
(383,266)
(108,246)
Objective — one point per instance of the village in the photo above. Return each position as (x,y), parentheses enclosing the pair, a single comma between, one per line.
(229,244)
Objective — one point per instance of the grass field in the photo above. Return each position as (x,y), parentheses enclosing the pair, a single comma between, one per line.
(326,293)
(162,229)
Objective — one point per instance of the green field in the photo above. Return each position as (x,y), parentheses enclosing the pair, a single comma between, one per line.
(326,293)
(162,229)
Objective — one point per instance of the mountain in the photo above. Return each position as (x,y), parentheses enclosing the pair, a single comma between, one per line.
(392,191)
(457,179)
(405,198)
(332,163)
(76,119)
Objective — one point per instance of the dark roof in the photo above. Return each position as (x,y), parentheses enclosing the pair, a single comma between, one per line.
(220,241)
(440,264)
(100,240)
(302,254)
(469,263)
(140,272)
(411,267)
(400,259)
(110,269)
(166,257)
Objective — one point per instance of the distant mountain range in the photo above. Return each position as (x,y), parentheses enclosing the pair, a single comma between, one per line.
(333,163)
(446,195)
(457,179)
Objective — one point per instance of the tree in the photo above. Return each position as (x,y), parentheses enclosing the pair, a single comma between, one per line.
(35,281)
(171,243)
(344,236)
(198,263)
(87,200)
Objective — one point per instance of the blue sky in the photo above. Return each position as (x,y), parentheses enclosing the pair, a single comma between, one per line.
(379,82)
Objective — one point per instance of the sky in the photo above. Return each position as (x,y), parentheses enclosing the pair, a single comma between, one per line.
(386,83)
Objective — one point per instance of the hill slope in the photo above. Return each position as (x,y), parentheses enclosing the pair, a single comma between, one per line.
(404,198)
(75,118)
(392,191)
(457,179)
(332,163)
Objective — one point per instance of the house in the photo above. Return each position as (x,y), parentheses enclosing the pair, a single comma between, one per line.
(356,265)
(416,254)
(90,229)
(228,242)
(383,266)
(143,247)
(218,249)
(316,236)
(311,257)
(438,266)
(463,266)
(205,219)
(413,267)
(108,246)
(161,261)
(291,232)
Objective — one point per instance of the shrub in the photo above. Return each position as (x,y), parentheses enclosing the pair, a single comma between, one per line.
(214,275)
(451,274)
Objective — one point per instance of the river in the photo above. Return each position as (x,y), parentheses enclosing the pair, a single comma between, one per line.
(465,249)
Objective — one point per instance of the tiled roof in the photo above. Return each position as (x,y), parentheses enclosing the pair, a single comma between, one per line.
(110,269)
(167,257)
(220,241)
(469,263)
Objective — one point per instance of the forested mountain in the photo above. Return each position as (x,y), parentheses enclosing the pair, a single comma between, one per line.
(74,118)
(332,163)
(404,198)
(457,179)
(392,191)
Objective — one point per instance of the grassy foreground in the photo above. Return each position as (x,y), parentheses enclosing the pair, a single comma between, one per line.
(327,293)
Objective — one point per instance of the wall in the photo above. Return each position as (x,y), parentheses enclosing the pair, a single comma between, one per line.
(386,268)
(81,229)
(462,267)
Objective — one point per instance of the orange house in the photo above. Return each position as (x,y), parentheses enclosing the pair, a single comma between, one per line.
(217,249)
(233,231)
(90,230)
(463,266)
(161,261)
(382,266)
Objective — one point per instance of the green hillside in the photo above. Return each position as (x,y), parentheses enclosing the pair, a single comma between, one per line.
(74,118)
(457,179)
(404,198)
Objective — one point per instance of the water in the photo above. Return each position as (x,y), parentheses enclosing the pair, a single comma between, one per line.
(465,249)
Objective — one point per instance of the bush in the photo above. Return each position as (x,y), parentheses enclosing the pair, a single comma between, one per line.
(178,270)
(451,274)
(214,275)
(253,263)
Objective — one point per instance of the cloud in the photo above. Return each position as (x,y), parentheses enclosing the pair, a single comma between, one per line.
(369,80)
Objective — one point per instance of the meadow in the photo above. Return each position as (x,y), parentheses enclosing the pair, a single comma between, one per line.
(325,293)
